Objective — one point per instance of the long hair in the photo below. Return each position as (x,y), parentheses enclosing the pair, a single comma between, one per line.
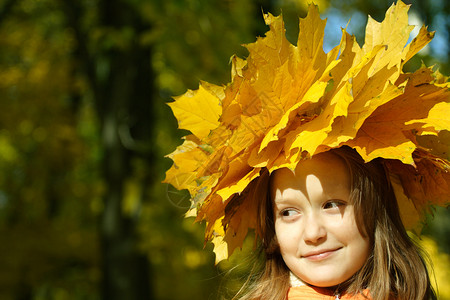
(272,282)
(395,268)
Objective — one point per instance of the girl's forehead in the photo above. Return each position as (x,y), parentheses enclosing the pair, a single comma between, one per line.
(325,171)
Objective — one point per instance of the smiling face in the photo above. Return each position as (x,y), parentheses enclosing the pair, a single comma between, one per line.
(315,223)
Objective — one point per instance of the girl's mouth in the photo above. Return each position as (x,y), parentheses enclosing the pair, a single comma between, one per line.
(320,254)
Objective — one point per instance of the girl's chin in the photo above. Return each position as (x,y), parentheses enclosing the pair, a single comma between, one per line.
(319,280)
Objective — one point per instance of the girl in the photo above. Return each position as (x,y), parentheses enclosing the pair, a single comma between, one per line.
(332,230)
(325,155)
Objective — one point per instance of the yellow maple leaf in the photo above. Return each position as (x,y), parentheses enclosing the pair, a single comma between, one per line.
(186,160)
(384,133)
(202,115)
(438,118)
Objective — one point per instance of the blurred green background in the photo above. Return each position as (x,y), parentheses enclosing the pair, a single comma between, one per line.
(84,127)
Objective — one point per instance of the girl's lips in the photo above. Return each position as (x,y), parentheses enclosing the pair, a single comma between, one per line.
(320,254)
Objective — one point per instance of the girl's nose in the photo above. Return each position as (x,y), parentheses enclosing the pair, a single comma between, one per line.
(314,230)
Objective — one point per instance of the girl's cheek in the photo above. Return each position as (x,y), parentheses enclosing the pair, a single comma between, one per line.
(287,233)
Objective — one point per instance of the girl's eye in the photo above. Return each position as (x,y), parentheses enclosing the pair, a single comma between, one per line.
(333,205)
(289,212)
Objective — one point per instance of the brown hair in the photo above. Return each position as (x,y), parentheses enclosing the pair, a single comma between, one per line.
(395,269)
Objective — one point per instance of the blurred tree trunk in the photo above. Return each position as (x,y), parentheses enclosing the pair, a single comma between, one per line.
(118,70)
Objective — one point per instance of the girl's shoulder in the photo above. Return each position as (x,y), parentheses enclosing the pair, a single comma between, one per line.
(316,293)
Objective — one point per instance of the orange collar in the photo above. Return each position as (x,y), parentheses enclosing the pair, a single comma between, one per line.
(316,293)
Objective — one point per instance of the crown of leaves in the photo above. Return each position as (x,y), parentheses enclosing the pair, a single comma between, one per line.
(286,103)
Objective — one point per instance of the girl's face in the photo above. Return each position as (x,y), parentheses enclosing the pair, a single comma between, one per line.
(315,221)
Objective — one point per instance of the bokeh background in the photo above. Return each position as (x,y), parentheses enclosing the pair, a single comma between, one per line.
(84,128)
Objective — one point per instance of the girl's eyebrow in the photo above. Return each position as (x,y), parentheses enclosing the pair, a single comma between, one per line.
(288,200)
(284,200)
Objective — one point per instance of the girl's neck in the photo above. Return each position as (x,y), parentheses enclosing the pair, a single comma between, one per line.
(297,282)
